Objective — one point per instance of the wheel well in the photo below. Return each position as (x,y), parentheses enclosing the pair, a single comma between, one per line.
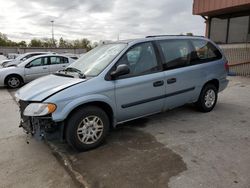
(215,82)
(17,75)
(104,106)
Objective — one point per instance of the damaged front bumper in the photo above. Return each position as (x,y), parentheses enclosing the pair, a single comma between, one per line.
(40,127)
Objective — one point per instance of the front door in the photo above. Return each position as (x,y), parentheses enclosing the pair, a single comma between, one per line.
(36,68)
(141,92)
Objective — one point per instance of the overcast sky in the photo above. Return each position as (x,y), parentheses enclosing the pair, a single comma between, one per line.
(97,19)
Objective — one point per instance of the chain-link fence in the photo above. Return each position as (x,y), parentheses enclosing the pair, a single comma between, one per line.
(238,56)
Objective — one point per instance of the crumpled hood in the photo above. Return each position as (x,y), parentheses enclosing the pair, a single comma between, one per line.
(44,87)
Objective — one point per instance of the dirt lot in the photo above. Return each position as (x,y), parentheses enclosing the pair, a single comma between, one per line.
(179,148)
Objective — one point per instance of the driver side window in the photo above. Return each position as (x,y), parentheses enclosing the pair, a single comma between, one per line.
(141,59)
(39,62)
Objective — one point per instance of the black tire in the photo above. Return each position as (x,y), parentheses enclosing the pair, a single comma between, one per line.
(201,103)
(75,121)
(13,81)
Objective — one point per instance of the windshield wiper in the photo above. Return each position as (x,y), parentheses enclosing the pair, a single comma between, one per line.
(72,69)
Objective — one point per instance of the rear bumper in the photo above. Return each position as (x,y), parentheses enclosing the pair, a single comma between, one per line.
(223,84)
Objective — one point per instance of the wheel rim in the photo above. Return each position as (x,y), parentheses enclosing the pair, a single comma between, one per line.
(210,98)
(90,129)
(13,82)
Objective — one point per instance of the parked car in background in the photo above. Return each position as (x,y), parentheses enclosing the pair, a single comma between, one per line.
(23,57)
(34,67)
(3,62)
(122,81)
(2,57)
(12,55)
(72,56)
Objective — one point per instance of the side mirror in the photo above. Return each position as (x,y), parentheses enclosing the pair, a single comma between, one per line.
(120,70)
(28,66)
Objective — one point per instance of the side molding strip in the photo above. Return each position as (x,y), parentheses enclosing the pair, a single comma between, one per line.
(157,98)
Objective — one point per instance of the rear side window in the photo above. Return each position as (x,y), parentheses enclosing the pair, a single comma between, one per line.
(205,51)
(65,60)
(58,60)
(176,53)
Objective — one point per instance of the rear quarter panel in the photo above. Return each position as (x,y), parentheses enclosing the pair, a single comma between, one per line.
(213,70)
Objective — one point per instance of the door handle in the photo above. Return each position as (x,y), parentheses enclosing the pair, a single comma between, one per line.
(45,68)
(64,66)
(158,83)
(171,80)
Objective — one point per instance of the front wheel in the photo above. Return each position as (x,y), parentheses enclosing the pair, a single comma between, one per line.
(13,81)
(87,128)
(208,98)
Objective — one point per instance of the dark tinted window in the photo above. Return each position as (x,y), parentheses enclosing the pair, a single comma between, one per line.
(176,53)
(204,52)
(218,30)
(65,60)
(238,29)
(58,60)
(141,59)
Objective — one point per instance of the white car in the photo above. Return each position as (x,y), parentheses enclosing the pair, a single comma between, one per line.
(19,59)
(3,62)
(2,57)
(12,56)
(33,68)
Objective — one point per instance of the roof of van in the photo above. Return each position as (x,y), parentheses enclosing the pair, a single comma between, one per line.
(159,37)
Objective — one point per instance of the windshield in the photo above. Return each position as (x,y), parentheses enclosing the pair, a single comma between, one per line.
(96,60)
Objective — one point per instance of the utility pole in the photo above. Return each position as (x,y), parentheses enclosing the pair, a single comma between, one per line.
(53,39)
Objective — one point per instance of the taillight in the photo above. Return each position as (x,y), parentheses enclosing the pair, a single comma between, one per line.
(226,66)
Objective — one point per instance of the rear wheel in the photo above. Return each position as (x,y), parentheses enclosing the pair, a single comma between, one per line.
(87,128)
(208,98)
(13,81)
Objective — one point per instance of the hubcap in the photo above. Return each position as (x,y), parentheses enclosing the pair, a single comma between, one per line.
(14,82)
(210,98)
(90,129)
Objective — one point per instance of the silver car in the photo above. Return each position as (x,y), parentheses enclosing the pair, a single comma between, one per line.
(4,62)
(22,57)
(32,68)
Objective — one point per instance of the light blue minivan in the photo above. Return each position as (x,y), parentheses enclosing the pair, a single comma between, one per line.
(122,81)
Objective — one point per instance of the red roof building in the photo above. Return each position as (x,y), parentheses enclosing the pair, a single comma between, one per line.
(228,21)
